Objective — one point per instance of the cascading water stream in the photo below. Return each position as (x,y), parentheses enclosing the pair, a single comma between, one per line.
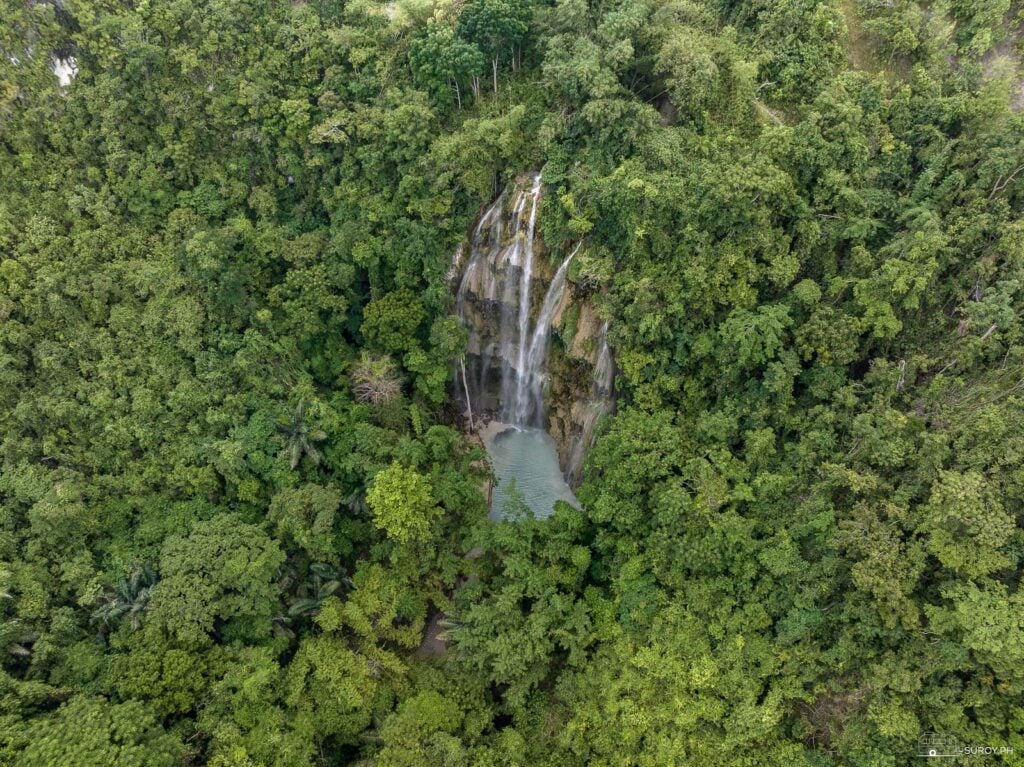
(495,302)
(509,296)
(490,219)
(529,402)
(484,247)
(523,369)
(514,293)
(599,404)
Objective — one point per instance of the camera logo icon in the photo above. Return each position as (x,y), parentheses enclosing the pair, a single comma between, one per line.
(934,745)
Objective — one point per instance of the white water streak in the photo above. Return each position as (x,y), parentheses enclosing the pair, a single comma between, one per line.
(498,280)
(599,404)
(529,402)
(522,367)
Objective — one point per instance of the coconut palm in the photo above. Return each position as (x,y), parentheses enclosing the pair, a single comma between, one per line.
(128,599)
(300,437)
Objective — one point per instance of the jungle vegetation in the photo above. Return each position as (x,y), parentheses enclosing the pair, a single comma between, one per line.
(234,496)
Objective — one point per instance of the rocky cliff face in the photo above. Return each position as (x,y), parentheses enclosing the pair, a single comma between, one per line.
(582,376)
(538,354)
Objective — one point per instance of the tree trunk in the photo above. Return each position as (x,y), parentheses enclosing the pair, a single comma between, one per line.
(474,85)
(494,69)
(458,94)
(465,387)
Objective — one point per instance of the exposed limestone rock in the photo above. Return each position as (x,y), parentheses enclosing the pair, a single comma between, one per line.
(537,354)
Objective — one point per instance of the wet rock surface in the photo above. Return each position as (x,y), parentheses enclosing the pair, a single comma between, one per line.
(538,355)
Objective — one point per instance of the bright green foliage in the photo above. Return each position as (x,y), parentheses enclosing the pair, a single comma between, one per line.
(403,504)
(988,623)
(969,531)
(220,576)
(306,515)
(445,63)
(497,27)
(381,605)
(246,720)
(679,699)
(171,680)
(536,573)
(390,323)
(331,689)
(703,72)
(422,731)
(93,732)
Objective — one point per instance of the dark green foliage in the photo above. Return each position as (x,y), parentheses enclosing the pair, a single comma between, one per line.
(300,438)
(445,63)
(497,27)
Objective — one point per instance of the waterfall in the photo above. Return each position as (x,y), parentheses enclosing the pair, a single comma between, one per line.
(515,285)
(65,69)
(491,222)
(484,245)
(528,405)
(507,351)
(524,367)
(512,292)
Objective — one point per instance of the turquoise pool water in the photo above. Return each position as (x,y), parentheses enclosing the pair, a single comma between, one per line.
(526,460)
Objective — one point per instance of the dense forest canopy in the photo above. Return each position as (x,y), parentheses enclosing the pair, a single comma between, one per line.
(234,495)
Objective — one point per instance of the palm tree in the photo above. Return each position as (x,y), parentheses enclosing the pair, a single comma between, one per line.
(325,582)
(128,599)
(16,639)
(300,437)
(450,628)
(356,501)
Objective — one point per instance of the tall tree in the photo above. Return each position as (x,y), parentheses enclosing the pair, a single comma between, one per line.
(498,28)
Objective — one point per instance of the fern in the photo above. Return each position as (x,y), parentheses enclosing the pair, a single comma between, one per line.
(417,419)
